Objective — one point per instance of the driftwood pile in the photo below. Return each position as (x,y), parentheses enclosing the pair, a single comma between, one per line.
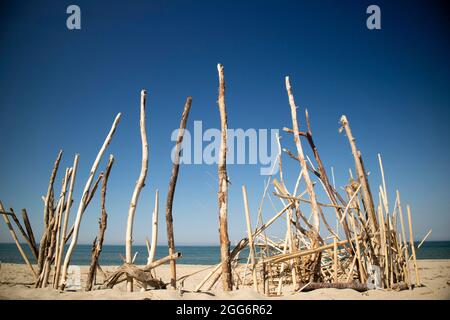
(370,251)
(52,262)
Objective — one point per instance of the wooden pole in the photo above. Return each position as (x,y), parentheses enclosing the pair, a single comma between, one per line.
(84,197)
(30,233)
(223,188)
(402,224)
(54,231)
(405,244)
(352,266)
(424,238)
(16,240)
(290,241)
(385,198)
(103,222)
(362,275)
(309,186)
(411,241)
(47,208)
(362,177)
(335,260)
(63,239)
(265,277)
(171,192)
(137,189)
(283,265)
(59,223)
(50,189)
(152,251)
(28,240)
(390,253)
(315,259)
(250,238)
(383,245)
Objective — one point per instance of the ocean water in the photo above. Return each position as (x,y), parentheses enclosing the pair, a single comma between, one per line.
(206,255)
(111,254)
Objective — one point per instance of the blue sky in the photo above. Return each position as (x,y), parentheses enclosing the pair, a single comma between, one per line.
(62,89)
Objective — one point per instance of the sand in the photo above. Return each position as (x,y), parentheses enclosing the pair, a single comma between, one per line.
(16,283)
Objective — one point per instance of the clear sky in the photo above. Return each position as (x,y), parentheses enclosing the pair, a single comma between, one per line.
(62,89)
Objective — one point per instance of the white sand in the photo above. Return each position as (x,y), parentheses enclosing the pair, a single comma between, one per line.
(16,283)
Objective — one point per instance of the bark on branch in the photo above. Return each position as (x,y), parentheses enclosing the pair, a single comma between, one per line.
(223,188)
(98,242)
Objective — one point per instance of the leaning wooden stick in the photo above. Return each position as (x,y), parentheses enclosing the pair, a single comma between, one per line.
(250,238)
(301,156)
(59,225)
(82,205)
(98,242)
(48,207)
(362,177)
(171,192)
(137,189)
(223,188)
(358,255)
(411,240)
(30,233)
(405,244)
(16,240)
(385,202)
(315,259)
(335,260)
(28,240)
(402,224)
(424,238)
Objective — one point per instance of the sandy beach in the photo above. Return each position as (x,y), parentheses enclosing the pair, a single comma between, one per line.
(17,283)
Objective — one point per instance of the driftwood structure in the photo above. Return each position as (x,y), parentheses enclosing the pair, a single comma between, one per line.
(376,249)
(49,254)
(85,199)
(372,254)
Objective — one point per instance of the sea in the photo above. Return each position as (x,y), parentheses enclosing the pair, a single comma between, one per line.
(203,255)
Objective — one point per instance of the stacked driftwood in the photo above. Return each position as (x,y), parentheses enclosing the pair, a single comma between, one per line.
(373,249)
(51,256)
(52,260)
(369,246)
